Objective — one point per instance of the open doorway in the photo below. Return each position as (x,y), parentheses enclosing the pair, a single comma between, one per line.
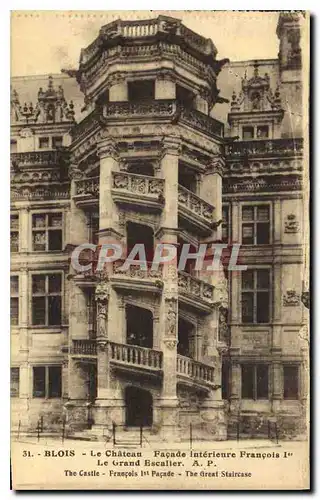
(185,338)
(139,326)
(139,407)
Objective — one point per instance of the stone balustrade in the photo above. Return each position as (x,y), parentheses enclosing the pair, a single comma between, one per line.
(136,272)
(37,158)
(194,370)
(188,285)
(198,207)
(268,147)
(88,187)
(200,121)
(153,108)
(86,347)
(136,356)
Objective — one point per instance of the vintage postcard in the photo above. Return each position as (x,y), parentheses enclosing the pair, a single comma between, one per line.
(160,250)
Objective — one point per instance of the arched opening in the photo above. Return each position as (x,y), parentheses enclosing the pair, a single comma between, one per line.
(139,407)
(187,178)
(139,326)
(140,234)
(185,338)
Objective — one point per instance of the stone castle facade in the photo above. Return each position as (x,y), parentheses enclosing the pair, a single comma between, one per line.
(153,139)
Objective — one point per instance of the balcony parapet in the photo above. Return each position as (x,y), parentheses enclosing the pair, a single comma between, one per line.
(136,356)
(197,211)
(195,371)
(202,122)
(87,191)
(37,158)
(138,189)
(88,125)
(195,291)
(84,347)
(162,108)
(265,148)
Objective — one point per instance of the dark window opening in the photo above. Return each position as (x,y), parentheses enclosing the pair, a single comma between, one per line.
(225,224)
(139,407)
(139,326)
(187,178)
(140,234)
(14,382)
(247,133)
(255,296)
(39,382)
(141,90)
(141,169)
(185,338)
(57,142)
(256,225)
(255,381)
(184,96)
(14,300)
(47,232)
(43,142)
(54,389)
(263,132)
(47,381)
(46,299)
(290,382)
(102,99)
(14,233)
(190,262)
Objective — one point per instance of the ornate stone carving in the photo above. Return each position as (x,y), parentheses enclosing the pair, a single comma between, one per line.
(170,344)
(171,315)
(89,186)
(221,292)
(136,184)
(216,166)
(291,224)
(198,206)
(75,173)
(224,331)
(291,298)
(108,148)
(102,296)
(192,286)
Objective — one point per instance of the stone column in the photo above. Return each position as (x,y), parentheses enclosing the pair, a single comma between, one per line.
(235,395)
(78,228)
(118,91)
(108,211)
(25,244)
(277,386)
(168,326)
(165,86)
(211,190)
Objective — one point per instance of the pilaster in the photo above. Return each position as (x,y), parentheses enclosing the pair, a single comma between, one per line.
(78,228)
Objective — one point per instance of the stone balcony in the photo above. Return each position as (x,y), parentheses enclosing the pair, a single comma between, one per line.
(198,213)
(135,359)
(265,148)
(87,192)
(138,190)
(49,158)
(137,279)
(195,292)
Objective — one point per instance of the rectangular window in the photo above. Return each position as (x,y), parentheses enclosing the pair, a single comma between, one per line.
(255,381)
(43,142)
(247,133)
(142,90)
(57,142)
(263,132)
(14,300)
(14,233)
(47,232)
(255,296)
(47,382)
(184,96)
(15,382)
(225,224)
(290,382)
(94,228)
(256,225)
(46,299)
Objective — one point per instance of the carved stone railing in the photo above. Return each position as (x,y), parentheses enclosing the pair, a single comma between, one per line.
(84,347)
(153,108)
(202,122)
(138,184)
(274,147)
(88,186)
(90,123)
(200,208)
(188,285)
(37,158)
(195,370)
(136,273)
(135,356)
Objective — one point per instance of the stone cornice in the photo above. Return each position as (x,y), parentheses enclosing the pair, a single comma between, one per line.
(107,148)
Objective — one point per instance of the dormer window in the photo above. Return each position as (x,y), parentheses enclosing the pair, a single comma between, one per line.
(142,90)
(247,133)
